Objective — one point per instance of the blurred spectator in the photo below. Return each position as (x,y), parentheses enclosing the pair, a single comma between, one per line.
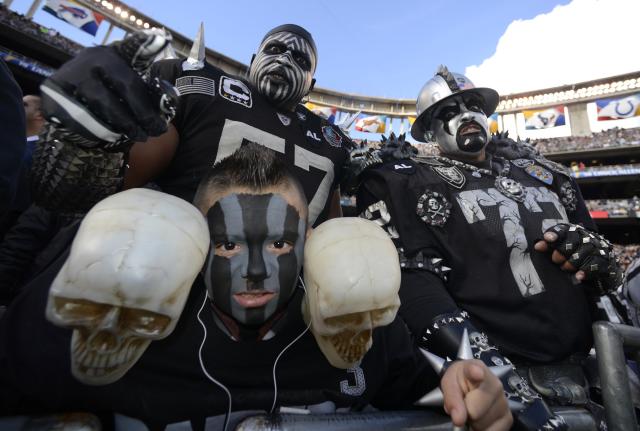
(12,137)
(615,137)
(616,207)
(47,35)
(626,253)
(22,199)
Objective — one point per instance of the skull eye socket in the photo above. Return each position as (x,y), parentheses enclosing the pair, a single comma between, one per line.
(79,311)
(145,322)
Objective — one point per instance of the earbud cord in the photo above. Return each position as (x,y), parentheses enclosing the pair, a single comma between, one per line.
(227,416)
(275,363)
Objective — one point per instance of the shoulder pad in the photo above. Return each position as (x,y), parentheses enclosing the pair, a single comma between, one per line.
(427,160)
(554,166)
(396,148)
(503,146)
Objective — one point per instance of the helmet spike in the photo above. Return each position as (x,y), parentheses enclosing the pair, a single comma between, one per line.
(195,61)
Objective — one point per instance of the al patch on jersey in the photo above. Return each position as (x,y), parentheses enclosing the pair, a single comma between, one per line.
(539,173)
(331,136)
(433,208)
(235,91)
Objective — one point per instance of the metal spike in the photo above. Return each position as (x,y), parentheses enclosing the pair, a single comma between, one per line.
(195,61)
(436,260)
(501,370)
(445,268)
(435,398)
(168,53)
(515,406)
(436,361)
(464,351)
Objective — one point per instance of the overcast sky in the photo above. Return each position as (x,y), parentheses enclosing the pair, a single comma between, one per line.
(379,49)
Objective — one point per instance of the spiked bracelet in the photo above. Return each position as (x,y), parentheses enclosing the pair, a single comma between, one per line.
(454,336)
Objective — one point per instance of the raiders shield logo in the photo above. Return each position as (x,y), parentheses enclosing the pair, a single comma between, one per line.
(451,175)
(331,136)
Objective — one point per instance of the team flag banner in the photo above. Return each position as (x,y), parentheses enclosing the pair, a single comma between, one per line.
(493,123)
(371,124)
(76,15)
(615,109)
(544,119)
(411,120)
(326,112)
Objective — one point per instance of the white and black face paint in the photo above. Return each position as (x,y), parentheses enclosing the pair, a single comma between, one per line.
(460,127)
(282,70)
(256,255)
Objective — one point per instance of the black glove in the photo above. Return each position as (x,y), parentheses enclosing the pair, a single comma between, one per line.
(104,96)
(590,253)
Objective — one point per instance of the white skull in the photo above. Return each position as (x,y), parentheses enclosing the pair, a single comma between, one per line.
(352,277)
(126,280)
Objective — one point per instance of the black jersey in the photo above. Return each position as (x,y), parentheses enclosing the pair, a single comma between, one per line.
(168,383)
(481,241)
(218,112)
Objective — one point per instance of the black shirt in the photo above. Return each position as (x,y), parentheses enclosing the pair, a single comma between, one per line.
(168,383)
(218,112)
(526,305)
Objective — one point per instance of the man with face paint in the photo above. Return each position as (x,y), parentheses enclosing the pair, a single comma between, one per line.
(216,113)
(241,328)
(475,228)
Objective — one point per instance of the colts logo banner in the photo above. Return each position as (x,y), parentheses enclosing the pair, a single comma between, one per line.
(235,91)
(331,136)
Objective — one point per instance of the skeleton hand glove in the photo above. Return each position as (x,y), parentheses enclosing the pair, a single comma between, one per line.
(588,252)
(103,95)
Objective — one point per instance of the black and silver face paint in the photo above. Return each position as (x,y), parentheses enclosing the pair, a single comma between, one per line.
(256,255)
(283,68)
(460,127)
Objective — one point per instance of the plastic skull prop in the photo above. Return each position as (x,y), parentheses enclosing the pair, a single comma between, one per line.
(126,280)
(352,278)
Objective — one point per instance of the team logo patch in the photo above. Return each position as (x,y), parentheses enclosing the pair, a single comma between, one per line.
(331,136)
(235,91)
(196,85)
(451,175)
(284,119)
(433,208)
(522,163)
(556,167)
(540,173)
(301,116)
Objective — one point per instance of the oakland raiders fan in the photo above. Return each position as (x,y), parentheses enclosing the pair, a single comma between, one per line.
(241,342)
(494,238)
(216,112)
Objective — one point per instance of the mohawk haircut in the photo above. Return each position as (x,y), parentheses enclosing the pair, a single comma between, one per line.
(253,167)
(444,73)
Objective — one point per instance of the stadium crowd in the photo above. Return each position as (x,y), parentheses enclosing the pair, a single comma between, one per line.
(627,253)
(27,26)
(610,138)
(616,207)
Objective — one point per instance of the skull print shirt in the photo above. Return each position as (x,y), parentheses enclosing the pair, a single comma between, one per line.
(474,233)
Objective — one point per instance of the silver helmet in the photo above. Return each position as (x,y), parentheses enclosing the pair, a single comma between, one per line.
(441,87)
